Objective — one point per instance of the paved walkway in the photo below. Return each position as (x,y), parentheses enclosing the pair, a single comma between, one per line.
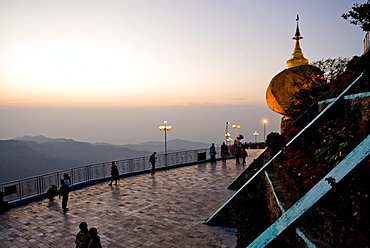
(164,210)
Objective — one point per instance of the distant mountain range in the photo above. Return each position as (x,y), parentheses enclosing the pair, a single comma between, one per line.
(34,155)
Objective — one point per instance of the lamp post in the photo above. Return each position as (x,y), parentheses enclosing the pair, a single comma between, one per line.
(264,129)
(236,126)
(227,134)
(165,128)
(255,136)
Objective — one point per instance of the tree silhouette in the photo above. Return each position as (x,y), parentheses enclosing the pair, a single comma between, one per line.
(359,15)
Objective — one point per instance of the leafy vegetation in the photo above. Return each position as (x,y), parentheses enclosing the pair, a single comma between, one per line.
(317,81)
(331,68)
(359,15)
(335,143)
(310,86)
(305,171)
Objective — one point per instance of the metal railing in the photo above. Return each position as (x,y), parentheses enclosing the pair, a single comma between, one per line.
(34,186)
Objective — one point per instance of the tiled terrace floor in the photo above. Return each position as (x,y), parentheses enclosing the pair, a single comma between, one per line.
(164,210)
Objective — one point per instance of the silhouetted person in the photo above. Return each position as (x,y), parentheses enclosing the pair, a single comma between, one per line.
(212,153)
(95,239)
(52,192)
(224,151)
(152,160)
(114,173)
(82,238)
(65,182)
(4,206)
(237,154)
(244,155)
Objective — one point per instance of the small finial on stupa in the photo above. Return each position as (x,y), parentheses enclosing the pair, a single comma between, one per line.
(297,35)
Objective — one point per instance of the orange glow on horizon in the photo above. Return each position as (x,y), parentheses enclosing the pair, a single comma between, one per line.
(96,101)
(83,74)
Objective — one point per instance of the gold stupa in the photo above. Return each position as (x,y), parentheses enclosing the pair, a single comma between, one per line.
(281,87)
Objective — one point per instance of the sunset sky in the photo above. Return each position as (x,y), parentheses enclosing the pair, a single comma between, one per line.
(114,70)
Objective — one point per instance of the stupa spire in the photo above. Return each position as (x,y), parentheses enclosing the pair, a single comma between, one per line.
(297,35)
(297,55)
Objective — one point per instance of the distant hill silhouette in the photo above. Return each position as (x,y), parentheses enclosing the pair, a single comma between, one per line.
(30,156)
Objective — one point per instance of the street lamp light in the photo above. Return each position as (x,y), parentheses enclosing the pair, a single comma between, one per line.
(227,134)
(227,130)
(255,136)
(165,128)
(236,126)
(264,129)
(228,140)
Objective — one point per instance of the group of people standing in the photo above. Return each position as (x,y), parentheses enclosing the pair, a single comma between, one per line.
(63,191)
(87,238)
(239,152)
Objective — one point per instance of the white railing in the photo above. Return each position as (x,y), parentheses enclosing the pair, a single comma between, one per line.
(37,185)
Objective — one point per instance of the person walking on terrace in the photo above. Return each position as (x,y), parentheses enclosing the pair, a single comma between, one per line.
(244,154)
(212,153)
(224,151)
(237,151)
(65,182)
(82,238)
(114,173)
(152,160)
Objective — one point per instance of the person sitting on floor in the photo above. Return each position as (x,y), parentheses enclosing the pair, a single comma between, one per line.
(52,192)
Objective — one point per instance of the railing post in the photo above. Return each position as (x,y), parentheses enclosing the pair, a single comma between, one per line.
(40,184)
(87,173)
(19,190)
